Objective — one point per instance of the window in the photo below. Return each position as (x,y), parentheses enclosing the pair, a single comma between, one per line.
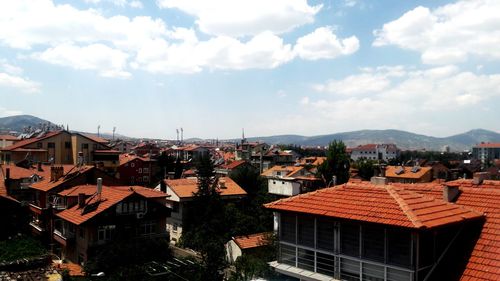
(305,259)
(349,239)
(349,270)
(325,264)
(67,144)
(373,272)
(51,145)
(132,165)
(399,247)
(145,179)
(140,170)
(85,146)
(105,232)
(305,231)
(148,227)
(39,145)
(373,242)
(287,255)
(94,146)
(145,170)
(325,234)
(287,232)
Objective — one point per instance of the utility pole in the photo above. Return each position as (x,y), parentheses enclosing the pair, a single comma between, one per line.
(98,130)
(114,130)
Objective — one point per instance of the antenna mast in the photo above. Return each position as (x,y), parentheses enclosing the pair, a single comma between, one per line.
(98,130)
(114,130)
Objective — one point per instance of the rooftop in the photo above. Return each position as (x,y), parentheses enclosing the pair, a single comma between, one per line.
(383,204)
(252,240)
(406,172)
(186,188)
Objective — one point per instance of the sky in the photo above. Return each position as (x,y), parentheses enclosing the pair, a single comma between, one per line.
(270,67)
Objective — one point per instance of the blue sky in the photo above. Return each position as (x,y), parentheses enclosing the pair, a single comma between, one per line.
(271,67)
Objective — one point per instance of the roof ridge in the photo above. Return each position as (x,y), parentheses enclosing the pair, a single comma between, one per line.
(404,206)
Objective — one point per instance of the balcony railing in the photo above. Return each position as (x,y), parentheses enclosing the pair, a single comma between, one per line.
(37,226)
(66,235)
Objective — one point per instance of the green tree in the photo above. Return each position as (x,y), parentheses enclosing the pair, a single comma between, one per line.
(205,229)
(336,163)
(365,168)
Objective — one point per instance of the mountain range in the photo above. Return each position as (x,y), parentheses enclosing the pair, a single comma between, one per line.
(403,139)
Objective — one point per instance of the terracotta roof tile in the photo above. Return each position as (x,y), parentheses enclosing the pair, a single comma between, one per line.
(390,172)
(70,171)
(388,204)
(489,145)
(24,142)
(8,138)
(89,189)
(234,164)
(252,240)
(185,188)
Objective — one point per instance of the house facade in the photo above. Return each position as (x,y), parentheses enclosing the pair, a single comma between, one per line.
(383,152)
(96,215)
(486,152)
(290,180)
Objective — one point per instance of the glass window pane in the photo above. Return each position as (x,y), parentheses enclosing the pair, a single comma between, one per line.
(399,247)
(373,242)
(349,270)
(397,275)
(325,264)
(305,231)
(373,272)
(287,255)
(287,232)
(325,234)
(305,259)
(349,239)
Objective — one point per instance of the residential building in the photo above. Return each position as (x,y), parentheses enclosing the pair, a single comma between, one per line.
(405,174)
(384,152)
(136,170)
(182,191)
(363,231)
(144,148)
(122,145)
(226,169)
(252,244)
(97,214)
(291,180)
(486,152)
(7,140)
(56,147)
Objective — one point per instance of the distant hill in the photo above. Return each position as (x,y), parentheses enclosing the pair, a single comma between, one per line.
(19,122)
(402,139)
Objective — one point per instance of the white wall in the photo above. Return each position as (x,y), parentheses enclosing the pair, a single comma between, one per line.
(232,251)
(283,187)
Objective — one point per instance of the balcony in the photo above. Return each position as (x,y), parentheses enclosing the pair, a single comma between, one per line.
(63,237)
(37,227)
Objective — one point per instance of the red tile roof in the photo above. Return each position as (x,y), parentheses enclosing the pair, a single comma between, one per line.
(94,206)
(234,164)
(96,138)
(89,189)
(484,262)
(70,171)
(390,205)
(24,142)
(489,145)
(185,188)
(390,172)
(20,172)
(252,240)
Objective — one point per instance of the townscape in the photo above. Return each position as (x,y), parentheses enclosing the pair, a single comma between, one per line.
(240,210)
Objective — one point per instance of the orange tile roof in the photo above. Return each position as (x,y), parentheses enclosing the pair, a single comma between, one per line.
(489,145)
(290,170)
(252,240)
(24,142)
(470,183)
(95,138)
(388,204)
(234,164)
(484,262)
(17,172)
(70,171)
(390,172)
(185,188)
(90,189)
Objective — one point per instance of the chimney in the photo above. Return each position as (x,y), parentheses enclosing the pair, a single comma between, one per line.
(450,193)
(56,172)
(40,166)
(379,180)
(479,177)
(99,188)
(81,200)
(222,184)
(163,186)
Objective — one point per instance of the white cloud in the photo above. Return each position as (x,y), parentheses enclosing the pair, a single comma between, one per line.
(109,62)
(111,46)
(322,43)
(448,34)
(385,98)
(18,83)
(120,3)
(9,68)
(240,17)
